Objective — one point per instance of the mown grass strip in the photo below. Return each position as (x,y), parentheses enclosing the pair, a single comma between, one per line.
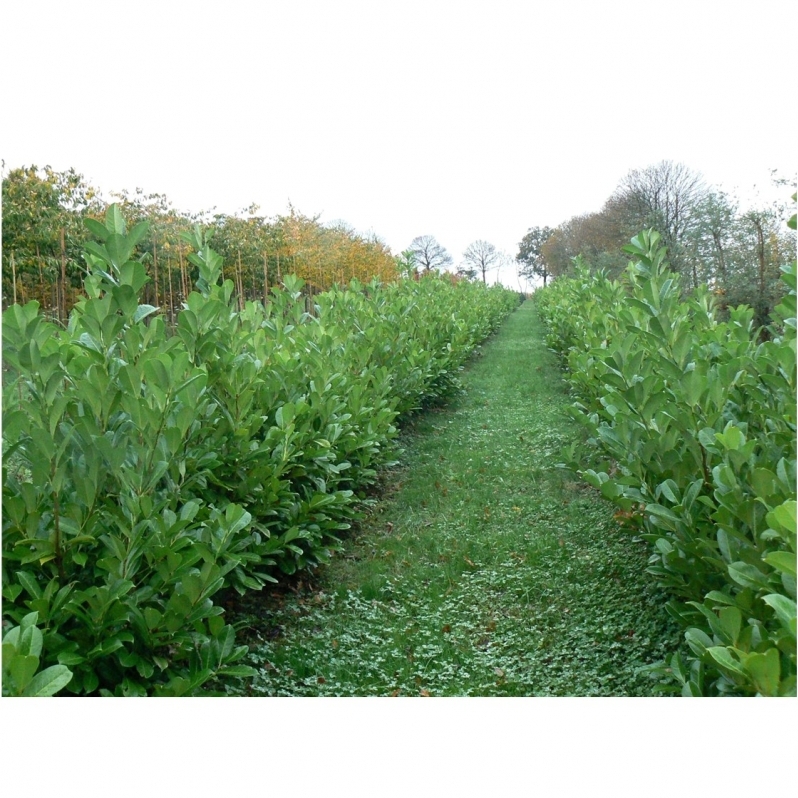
(484,571)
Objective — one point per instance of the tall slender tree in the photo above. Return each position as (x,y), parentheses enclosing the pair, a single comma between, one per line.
(482,256)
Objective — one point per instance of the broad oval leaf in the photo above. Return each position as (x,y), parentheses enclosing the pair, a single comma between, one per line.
(49,681)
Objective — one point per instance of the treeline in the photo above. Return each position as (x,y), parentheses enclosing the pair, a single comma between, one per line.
(44,236)
(710,239)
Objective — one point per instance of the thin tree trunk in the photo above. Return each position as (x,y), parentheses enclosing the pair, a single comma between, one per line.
(155,267)
(239,283)
(183,282)
(63,276)
(721,257)
(171,295)
(760,251)
(265,281)
(14,277)
(41,276)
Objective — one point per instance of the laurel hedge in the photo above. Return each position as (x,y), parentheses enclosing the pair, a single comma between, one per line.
(694,422)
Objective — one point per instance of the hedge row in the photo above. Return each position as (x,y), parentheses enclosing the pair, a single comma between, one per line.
(147,468)
(696,422)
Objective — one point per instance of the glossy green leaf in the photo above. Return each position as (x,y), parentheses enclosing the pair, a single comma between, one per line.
(49,681)
(238,671)
(783,518)
(747,575)
(765,670)
(783,561)
(731,438)
(784,608)
(722,656)
(114,221)
(22,669)
(731,621)
(97,229)
(143,311)
(31,585)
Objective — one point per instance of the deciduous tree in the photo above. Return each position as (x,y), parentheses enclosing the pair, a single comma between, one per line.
(429,254)
(482,256)
(665,196)
(529,258)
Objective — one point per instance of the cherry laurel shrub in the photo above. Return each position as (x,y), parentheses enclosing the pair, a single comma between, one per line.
(696,422)
(146,468)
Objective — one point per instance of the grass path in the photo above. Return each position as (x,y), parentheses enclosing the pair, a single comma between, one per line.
(483,571)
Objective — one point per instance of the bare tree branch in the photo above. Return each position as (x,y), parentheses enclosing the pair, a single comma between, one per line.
(482,256)
(428,254)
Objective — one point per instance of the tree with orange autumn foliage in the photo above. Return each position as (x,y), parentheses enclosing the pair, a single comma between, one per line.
(43,233)
(324,256)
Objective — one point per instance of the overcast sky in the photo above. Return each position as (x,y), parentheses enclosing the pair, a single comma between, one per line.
(460,120)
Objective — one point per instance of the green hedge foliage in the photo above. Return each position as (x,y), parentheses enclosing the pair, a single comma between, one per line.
(696,422)
(147,468)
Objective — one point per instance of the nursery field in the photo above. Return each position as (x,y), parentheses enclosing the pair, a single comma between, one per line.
(497,566)
(482,571)
(403,488)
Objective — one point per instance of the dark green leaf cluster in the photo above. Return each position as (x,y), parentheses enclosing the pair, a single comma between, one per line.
(698,420)
(147,468)
(22,647)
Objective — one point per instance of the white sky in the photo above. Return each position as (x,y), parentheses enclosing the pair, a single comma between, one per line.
(459,120)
